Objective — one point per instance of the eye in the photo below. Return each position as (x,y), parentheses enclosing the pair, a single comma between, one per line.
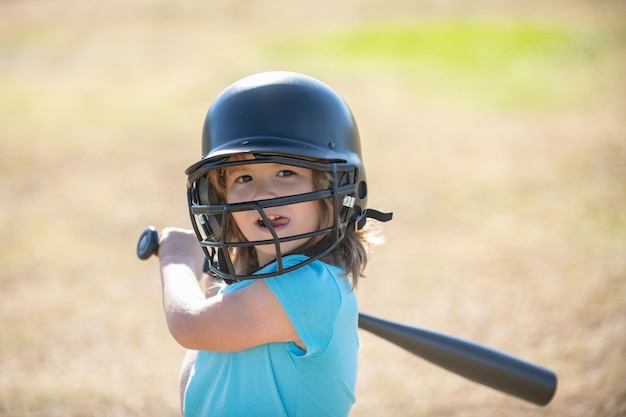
(243,178)
(286,173)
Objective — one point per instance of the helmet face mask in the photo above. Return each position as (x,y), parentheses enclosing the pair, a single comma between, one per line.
(283,118)
(215,227)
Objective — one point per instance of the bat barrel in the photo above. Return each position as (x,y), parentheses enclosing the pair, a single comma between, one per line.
(473,361)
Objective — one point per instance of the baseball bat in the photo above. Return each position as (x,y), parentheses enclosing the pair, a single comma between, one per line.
(471,360)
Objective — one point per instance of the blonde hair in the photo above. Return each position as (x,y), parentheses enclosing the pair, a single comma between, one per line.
(350,254)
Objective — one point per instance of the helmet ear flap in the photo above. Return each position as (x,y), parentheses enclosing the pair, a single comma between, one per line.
(206,195)
(209,226)
(202,185)
(206,192)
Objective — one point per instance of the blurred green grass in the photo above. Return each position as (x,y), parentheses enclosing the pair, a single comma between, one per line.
(497,62)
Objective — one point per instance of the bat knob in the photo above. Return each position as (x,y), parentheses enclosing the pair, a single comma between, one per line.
(148,243)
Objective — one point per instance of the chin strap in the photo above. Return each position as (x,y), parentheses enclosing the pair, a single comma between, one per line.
(371,214)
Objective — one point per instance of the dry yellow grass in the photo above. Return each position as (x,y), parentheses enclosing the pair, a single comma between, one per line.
(509,229)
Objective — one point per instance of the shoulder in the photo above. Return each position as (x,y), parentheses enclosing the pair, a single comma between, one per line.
(315,277)
(312,297)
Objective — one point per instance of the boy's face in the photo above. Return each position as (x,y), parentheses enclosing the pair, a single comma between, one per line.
(270,180)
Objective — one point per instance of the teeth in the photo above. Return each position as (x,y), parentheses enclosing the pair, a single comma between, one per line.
(270,218)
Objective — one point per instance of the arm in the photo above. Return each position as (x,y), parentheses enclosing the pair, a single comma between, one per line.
(211,288)
(227,322)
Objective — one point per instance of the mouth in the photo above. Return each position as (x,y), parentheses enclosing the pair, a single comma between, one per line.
(275,220)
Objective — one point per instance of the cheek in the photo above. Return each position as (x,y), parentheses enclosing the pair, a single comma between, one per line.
(231,197)
(237,193)
(312,212)
(238,218)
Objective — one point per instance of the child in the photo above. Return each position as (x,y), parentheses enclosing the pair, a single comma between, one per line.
(278,203)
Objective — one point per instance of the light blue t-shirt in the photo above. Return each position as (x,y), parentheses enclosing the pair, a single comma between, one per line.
(280,379)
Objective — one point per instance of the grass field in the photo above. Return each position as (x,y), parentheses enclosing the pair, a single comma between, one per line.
(496,133)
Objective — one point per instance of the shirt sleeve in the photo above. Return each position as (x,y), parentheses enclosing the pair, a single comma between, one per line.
(311,298)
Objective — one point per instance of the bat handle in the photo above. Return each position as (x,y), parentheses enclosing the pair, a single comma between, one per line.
(148,243)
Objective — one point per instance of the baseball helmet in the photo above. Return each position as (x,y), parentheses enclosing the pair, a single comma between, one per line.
(286,118)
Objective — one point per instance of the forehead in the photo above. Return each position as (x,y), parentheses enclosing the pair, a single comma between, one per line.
(260,167)
(251,162)
(255,165)
(261,161)
(242,157)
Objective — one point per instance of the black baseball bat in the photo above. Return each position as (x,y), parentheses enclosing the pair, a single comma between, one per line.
(471,360)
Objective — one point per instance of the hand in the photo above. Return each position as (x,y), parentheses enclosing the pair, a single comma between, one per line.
(181,246)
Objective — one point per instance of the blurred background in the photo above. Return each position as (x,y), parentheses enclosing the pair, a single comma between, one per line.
(495,131)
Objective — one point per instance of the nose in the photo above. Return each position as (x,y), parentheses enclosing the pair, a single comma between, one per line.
(265,188)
